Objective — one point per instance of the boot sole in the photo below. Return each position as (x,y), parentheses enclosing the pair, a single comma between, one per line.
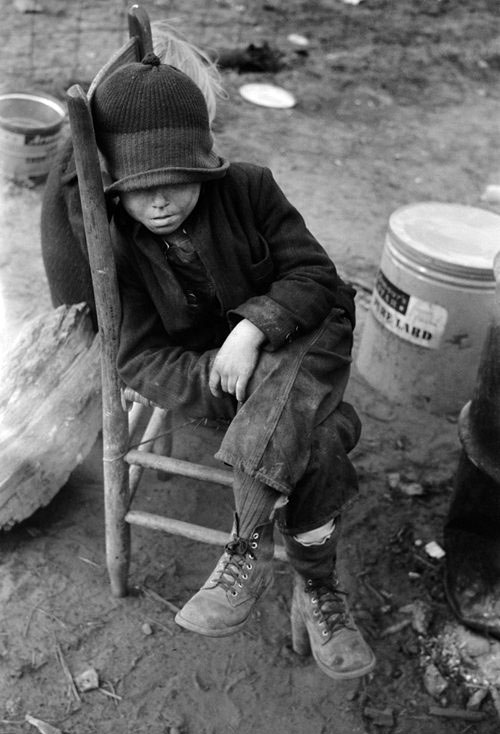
(223,631)
(350,675)
(207,632)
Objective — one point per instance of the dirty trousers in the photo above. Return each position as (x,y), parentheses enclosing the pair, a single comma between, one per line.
(294,430)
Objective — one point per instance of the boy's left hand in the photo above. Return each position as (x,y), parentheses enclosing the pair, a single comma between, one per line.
(236,360)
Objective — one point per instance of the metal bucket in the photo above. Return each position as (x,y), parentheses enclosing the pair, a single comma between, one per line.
(432,304)
(30,131)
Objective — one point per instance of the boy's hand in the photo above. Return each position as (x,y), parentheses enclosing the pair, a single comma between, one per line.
(236,361)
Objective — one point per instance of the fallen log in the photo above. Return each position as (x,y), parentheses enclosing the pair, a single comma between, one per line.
(50,408)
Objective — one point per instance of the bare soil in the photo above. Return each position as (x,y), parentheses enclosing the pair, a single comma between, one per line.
(398,101)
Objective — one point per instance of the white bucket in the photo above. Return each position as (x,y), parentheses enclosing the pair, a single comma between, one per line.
(432,304)
(30,130)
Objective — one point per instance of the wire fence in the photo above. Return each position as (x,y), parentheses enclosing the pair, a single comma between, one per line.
(50,44)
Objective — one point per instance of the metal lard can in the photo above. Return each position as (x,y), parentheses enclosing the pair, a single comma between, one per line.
(30,132)
(432,303)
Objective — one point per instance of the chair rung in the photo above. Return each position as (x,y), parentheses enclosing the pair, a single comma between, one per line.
(178,466)
(186,529)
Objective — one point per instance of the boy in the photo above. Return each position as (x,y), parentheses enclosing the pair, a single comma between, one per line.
(231,309)
(64,248)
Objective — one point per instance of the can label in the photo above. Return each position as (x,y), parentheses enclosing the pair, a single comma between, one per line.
(407,316)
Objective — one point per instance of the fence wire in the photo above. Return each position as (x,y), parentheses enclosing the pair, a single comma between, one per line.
(51,44)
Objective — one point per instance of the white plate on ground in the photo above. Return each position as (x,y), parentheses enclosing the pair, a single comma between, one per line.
(268,95)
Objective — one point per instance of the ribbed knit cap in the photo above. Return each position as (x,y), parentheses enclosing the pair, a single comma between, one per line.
(152,126)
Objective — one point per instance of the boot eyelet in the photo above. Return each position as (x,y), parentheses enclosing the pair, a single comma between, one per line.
(253,545)
(325,633)
(255,536)
(249,566)
(233,592)
(315,612)
(244,576)
(314,600)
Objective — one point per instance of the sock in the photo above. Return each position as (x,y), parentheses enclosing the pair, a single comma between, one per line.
(255,502)
(317,536)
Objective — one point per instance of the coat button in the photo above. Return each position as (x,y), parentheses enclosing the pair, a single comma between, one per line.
(293,332)
(191,298)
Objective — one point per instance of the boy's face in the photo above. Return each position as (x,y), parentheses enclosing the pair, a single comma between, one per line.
(161,209)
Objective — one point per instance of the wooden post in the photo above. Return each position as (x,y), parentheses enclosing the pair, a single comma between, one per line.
(115,422)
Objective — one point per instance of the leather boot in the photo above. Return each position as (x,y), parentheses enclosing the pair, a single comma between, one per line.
(321,621)
(242,574)
(472,545)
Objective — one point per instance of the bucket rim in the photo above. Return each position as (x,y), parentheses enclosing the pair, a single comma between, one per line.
(452,261)
(34,96)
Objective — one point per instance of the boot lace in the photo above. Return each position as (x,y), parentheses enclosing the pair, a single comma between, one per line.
(235,564)
(330,608)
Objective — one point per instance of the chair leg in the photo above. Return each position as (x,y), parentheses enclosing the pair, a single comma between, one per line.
(164,444)
(116,491)
(116,499)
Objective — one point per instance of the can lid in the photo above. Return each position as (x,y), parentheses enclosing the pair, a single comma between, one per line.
(31,113)
(457,240)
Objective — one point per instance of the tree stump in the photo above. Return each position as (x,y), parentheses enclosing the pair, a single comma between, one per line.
(50,408)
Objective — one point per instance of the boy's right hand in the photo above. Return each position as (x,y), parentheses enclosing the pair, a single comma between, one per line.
(236,360)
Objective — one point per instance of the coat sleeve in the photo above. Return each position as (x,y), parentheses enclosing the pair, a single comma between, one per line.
(306,286)
(149,362)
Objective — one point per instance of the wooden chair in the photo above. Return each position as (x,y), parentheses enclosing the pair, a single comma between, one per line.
(123,465)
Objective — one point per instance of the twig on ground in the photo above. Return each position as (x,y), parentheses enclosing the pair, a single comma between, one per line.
(42,726)
(395,628)
(67,673)
(87,560)
(455,713)
(424,561)
(159,624)
(111,694)
(28,622)
(374,591)
(153,595)
(47,614)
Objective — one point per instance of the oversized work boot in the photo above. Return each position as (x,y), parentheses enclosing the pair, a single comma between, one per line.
(321,621)
(243,573)
(472,544)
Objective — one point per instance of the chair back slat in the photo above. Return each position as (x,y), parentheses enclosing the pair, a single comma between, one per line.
(139,43)
(127,54)
(140,28)
(101,258)
(115,422)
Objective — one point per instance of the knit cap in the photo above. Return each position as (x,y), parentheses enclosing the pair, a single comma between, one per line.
(152,126)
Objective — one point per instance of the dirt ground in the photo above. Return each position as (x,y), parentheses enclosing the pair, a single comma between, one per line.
(398,101)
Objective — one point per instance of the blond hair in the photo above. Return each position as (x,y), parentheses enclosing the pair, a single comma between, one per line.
(175,50)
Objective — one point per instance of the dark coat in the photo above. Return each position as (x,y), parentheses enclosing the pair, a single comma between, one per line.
(64,248)
(264,264)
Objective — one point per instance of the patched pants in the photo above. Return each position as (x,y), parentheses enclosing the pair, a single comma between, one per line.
(294,431)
